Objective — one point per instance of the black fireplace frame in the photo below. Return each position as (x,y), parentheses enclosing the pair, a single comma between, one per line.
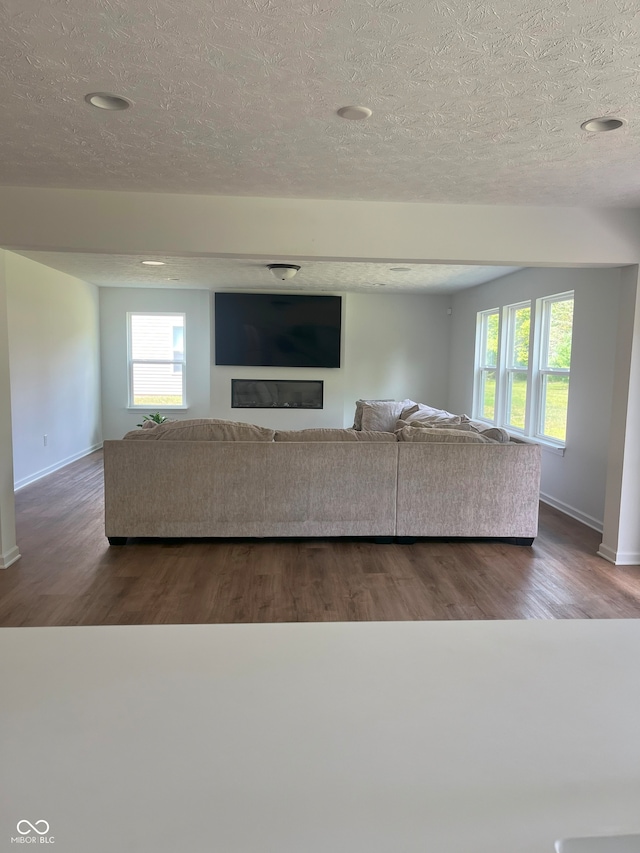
(272,394)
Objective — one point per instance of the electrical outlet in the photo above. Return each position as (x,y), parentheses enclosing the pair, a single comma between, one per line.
(45,440)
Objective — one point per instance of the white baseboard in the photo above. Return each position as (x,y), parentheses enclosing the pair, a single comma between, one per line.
(38,475)
(619,558)
(571,511)
(9,558)
(608,553)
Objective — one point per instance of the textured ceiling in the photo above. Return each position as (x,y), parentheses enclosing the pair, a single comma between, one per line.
(239,273)
(473,102)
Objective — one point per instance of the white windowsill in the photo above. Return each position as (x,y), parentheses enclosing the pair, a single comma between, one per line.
(144,409)
(547,446)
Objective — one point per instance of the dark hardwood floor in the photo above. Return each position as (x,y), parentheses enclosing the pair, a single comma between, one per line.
(68,574)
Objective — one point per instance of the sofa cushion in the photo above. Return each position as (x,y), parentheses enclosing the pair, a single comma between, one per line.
(421,413)
(427,414)
(357,418)
(325,434)
(142,432)
(382,415)
(496,433)
(374,435)
(203,429)
(453,423)
(446,435)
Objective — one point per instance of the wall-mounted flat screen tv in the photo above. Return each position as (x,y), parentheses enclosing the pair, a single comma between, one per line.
(277,330)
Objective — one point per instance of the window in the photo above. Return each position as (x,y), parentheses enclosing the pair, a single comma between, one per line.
(518,319)
(156,360)
(486,374)
(555,366)
(523,364)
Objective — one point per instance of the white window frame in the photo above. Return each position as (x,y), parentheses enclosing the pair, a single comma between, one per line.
(543,311)
(506,370)
(536,370)
(481,368)
(172,361)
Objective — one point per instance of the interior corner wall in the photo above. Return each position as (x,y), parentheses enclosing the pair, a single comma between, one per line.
(574,483)
(396,347)
(115,303)
(54,367)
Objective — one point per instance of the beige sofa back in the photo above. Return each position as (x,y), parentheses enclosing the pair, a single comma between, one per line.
(468,489)
(265,489)
(243,488)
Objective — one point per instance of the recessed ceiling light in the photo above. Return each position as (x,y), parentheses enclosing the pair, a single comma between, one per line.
(399,269)
(173,279)
(153,263)
(599,125)
(105,101)
(354,113)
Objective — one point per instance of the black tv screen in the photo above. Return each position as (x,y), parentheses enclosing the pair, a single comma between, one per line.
(277,330)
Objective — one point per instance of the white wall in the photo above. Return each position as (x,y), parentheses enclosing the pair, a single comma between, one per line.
(115,302)
(54,367)
(396,347)
(576,481)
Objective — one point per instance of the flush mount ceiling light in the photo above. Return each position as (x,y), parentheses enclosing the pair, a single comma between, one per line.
(283,271)
(354,113)
(105,101)
(600,125)
(399,269)
(153,263)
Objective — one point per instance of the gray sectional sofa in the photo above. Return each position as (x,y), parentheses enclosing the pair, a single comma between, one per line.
(257,483)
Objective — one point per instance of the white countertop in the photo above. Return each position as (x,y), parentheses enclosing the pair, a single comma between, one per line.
(396,737)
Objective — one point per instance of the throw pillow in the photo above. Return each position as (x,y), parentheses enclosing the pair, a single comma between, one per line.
(382,416)
(357,418)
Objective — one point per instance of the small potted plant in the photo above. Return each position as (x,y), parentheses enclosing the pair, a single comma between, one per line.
(151,420)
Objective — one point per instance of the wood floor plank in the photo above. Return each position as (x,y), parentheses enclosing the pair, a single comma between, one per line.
(69,575)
